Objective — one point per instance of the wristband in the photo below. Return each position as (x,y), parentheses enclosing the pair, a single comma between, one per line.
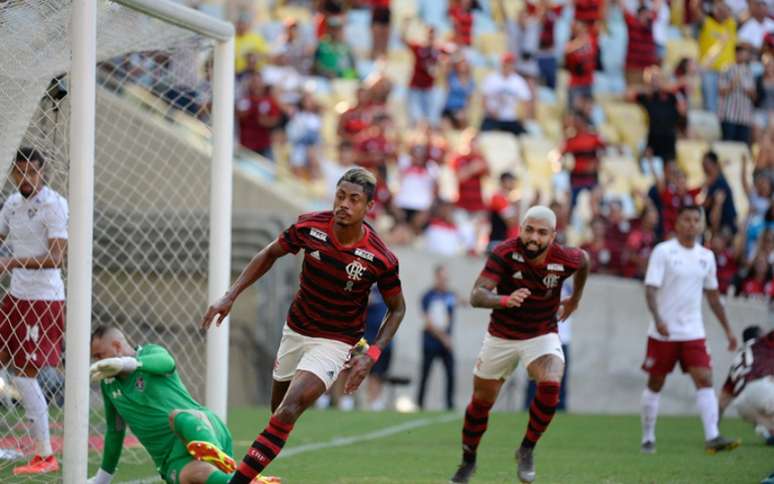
(374,352)
(504,301)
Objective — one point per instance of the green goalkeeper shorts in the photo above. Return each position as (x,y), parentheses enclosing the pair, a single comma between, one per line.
(179,457)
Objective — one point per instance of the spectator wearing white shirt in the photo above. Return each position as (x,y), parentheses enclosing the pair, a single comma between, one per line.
(443,236)
(503,92)
(757,26)
(33,222)
(418,187)
(303,132)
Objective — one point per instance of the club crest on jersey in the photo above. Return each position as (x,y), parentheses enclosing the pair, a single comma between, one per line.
(555,267)
(551,280)
(139,384)
(31,212)
(364,254)
(517,257)
(318,234)
(355,270)
(518,275)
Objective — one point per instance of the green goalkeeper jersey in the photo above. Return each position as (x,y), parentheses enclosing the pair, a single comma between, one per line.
(143,400)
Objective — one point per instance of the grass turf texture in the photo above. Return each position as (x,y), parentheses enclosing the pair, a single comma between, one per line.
(576,449)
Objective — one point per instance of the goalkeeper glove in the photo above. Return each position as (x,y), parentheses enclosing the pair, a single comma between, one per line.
(110,367)
(102,477)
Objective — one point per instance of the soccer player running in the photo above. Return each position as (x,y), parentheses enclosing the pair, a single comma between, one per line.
(142,389)
(751,382)
(343,258)
(521,283)
(33,221)
(679,271)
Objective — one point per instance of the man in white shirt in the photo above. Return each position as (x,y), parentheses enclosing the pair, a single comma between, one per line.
(503,92)
(33,222)
(757,26)
(679,271)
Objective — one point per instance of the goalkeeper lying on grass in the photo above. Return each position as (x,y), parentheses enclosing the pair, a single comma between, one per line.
(141,388)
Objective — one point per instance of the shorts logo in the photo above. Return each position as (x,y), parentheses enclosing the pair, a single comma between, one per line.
(364,254)
(551,280)
(318,234)
(649,362)
(330,373)
(555,267)
(517,257)
(518,275)
(139,384)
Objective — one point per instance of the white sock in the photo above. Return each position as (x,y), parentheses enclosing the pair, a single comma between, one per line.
(36,409)
(708,409)
(649,415)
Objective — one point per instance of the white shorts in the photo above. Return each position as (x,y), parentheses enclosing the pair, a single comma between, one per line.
(756,402)
(321,356)
(499,357)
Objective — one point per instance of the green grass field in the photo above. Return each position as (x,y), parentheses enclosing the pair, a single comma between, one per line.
(424,448)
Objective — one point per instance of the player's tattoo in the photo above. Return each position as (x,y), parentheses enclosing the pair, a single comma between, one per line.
(483,294)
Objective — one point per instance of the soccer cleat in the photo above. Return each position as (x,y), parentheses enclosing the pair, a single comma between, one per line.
(768,480)
(259,479)
(526,468)
(464,472)
(648,447)
(38,465)
(720,443)
(207,452)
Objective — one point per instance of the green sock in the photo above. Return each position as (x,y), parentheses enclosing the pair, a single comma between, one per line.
(191,427)
(218,477)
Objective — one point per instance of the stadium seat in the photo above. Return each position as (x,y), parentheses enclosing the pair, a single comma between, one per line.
(344,90)
(491,44)
(301,14)
(689,155)
(501,151)
(678,48)
(704,125)
(630,121)
(541,161)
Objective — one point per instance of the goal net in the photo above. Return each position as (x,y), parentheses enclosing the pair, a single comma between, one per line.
(151,216)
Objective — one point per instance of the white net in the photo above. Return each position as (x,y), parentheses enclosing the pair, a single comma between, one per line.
(151,200)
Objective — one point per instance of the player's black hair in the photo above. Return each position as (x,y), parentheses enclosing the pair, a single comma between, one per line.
(101,330)
(689,208)
(30,154)
(362,177)
(751,332)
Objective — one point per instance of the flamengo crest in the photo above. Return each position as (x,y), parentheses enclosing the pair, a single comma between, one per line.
(551,280)
(355,270)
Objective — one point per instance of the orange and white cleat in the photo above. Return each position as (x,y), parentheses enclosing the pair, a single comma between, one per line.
(38,465)
(259,479)
(210,453)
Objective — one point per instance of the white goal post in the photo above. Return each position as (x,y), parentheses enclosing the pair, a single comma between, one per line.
(81,197)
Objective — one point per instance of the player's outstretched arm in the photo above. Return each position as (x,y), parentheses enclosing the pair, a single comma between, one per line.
(570,304)
(256,268)
(484,295)
(114,442)
(157,360)
(361,365)
(713,298)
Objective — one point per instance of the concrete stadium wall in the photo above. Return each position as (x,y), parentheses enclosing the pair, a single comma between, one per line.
(608,343)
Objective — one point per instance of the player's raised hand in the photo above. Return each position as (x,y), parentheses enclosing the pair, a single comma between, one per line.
(217,312)
(567,307)
(517,297)
(357,369)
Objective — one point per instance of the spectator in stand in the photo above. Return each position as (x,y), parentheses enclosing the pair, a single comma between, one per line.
(375,148)
(674,194)
(686,83)
(757,233)
(599,250)
(461,15)
(333,170)
(418,187)
(437,146)
(664,109)
(764,99)
(717,40)
(443,236)
(258,114)
(326,10)
(760,193)
(293,50)
(503,212)
(757,25)
(548,15)
(737,92)
(617,230)
(726,259)
(765,158)
(334,57)
(380,27)
(248,42)
(639,244)
(585,146)
(460,86)
(758,283)
(590,12)
(503,91)
(438,306)
(355,119)
(719,199)
(303,131)
(641,46)
(471,167)
(421,99)
(580,59)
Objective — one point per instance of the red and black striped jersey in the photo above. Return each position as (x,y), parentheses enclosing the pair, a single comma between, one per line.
(755,360)
(507,266)
(335,280)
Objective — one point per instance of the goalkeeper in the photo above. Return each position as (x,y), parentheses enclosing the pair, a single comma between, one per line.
(141,389)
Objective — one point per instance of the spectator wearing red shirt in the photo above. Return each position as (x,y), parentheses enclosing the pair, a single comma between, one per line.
(599,250)
(470,167)
(585,146)
(503,212)
(421,102)
(443,236)
(380,27)
(375,150)
(580,59)
(461,15)
(258,114)
(641,46)
(640,243)
(758,283)
(726,259)
(617,230)
(590,12)
(355,119)
(674,196)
